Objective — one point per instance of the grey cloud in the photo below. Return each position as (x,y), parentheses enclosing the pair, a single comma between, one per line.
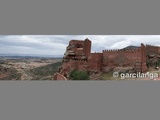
(56,44)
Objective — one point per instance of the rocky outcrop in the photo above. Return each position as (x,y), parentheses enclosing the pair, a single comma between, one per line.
(124,69)
(107,69)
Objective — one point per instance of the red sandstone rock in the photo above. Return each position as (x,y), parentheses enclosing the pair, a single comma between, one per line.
(124,69)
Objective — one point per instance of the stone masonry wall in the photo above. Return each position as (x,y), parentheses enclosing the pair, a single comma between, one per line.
(78,56)
(122,58)
(150,49)
(95,61)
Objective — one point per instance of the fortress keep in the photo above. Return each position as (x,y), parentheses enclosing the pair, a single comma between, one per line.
(78,56)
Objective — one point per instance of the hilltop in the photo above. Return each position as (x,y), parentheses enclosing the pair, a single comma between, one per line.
(131,47)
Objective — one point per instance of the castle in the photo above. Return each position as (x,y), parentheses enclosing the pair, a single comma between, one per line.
(78,56)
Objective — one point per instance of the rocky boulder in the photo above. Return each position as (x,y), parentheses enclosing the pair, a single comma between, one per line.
(107,69)
(123,69)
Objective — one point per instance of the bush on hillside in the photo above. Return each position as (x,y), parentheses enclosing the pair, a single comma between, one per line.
(79,75)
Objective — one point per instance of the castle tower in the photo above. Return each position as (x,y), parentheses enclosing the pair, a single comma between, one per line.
(87,47)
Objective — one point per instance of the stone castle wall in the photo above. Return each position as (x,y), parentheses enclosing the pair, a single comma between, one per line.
(75,64)
(78,56)
(95,61)
(121,57)
(150,49)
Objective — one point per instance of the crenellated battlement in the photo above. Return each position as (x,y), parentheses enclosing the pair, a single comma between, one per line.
(111,50)
(78,61)
(121,50)
(152,46)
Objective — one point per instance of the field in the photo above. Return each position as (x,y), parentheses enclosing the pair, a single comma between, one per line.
(28,68)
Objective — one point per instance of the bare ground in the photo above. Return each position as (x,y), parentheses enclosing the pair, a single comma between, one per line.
(24,67)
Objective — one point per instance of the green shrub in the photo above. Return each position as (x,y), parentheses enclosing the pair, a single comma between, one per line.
(2,61)
(79,75)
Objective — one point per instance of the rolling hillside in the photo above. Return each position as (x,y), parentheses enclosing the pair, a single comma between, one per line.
(44,72)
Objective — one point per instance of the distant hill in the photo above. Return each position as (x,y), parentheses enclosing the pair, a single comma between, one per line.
(131,47)
(29,56)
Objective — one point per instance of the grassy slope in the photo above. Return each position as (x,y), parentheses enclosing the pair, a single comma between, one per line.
(45,72)
(9,74)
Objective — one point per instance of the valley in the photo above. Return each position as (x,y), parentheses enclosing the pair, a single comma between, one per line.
(28,68)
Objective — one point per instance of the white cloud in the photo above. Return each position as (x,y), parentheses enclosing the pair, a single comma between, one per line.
(56,44)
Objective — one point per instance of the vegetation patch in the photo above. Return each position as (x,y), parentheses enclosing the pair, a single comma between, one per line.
(107,76)
(79,75)
(45,72)
(9,74)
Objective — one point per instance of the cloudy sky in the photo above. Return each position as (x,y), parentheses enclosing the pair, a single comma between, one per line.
(56,44)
